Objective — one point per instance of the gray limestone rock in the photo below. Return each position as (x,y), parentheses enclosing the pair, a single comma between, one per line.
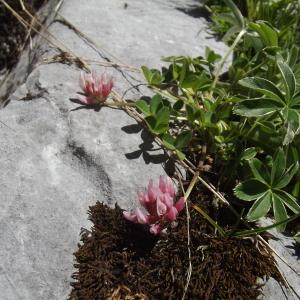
(286,248)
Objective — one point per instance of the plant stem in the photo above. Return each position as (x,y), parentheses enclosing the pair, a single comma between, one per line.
(118,104)
(209,219)
(225,57)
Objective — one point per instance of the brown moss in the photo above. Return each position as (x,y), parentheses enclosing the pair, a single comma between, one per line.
(121,260)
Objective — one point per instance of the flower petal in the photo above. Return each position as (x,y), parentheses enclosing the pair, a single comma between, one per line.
(96,87)
(152,191)
(155,229)
(171,214)
(180,204)
(141,217)
(142,199)
(129,216)
(162,184)
(166,185)
(161,207)
(167,199)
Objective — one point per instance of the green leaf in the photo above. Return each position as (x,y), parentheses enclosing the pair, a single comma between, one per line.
(278,166)
(263,86)
(260,207)
(155,126)
(183,139)
(180,155)
(293,126)
(287,176)
(155,103)
(196,82)
(147,73)
(263,229)
(297,237)
(259,170)
(248,153)
(256,107)
(211,56)
(288,200)
(237,13)
(152,76)
(288,78)
(143,107)
(190,110)
(230,32)
(183,71)
(151,122)
(178,105)
(159,123)
(267,34)
(161,128)
(163,116)
(227,17)
(293,55)
(168,141)
(250,190)
(280,213)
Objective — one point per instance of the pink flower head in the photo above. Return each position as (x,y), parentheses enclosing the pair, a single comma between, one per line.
(96,87)
(158,201)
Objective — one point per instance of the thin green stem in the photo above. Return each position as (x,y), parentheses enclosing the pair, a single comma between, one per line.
(222,62)
(209,219)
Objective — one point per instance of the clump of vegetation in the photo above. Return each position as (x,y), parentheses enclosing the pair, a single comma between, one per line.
(247,120)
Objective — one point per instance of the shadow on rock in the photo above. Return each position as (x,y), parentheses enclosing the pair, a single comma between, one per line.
(95,107)
(147,150)
(295,247)
(195,11)
(146,147)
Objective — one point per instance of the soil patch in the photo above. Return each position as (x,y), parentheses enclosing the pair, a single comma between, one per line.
(121,260)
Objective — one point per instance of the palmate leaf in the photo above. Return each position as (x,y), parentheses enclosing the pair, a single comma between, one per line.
(257,107)
(266,188)
(287,105)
